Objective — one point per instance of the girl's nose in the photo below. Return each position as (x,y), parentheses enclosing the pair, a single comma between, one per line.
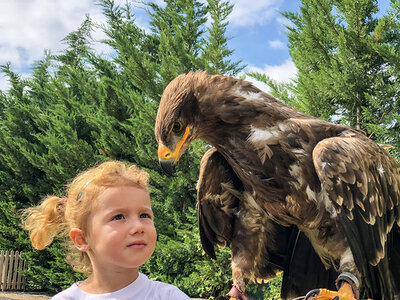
(136,226)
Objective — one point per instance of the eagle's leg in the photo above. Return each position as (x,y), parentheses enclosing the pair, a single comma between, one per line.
(241,269)
(346,283)
(250,244)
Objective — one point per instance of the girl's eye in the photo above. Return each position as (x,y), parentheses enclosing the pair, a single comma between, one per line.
(118,217)
(145,215)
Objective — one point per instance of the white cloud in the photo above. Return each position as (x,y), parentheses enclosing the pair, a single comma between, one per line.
(281,73)
(261,85)
(276,44)
(282,21)
(4,84)
(28,28)
(255,12)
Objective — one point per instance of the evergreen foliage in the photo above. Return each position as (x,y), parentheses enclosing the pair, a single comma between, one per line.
(216,52)
(79,108)
(348,66)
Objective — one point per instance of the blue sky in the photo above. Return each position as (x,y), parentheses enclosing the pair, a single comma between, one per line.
(257,31)
(263,42)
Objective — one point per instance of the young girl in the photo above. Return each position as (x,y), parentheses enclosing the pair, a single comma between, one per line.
(108,217)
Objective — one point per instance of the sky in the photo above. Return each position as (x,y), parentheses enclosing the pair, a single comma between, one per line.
(257,32)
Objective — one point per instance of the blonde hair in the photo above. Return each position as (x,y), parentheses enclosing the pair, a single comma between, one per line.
(56,215)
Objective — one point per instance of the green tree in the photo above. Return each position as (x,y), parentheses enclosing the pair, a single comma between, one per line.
(215,49)
(348,65)
(79,108)
(179,26)
(177,31)
(45,140)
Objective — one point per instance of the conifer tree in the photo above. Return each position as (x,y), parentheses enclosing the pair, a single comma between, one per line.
(79,108)
(179,25)
(215,49)
(348,62)
(46,140)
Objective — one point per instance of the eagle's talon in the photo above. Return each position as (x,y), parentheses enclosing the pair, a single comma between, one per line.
(310,295)
(344,293)
(236,294)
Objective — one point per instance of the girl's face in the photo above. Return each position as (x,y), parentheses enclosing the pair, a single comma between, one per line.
(121,229)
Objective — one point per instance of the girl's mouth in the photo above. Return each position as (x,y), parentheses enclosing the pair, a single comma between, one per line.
(137,245)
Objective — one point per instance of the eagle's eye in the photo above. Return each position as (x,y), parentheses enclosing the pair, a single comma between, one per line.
(177,127)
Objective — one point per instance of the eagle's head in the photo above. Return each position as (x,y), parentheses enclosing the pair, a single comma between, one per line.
(211,108)
(176,120)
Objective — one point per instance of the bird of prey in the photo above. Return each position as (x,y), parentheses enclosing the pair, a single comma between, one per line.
(273,167)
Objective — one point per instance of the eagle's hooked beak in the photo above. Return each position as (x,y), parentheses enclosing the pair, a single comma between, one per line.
(168,158)
(168,166)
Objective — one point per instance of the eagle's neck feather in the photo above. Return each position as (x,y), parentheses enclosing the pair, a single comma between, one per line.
(231,101)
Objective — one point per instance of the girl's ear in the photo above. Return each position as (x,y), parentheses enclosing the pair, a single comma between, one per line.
(79,240)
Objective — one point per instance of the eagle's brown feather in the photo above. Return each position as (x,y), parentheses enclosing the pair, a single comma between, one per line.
(356,174)
(216,205)
(330,181)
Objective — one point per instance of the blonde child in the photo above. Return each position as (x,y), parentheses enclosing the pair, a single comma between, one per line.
(108,217)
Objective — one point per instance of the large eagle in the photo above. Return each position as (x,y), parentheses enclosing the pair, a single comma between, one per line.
(272,169)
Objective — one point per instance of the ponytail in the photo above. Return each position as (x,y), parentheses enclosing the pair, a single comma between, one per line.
(45,221)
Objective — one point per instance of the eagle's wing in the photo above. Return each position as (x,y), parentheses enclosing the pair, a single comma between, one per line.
(362,180)
(217,213)
(216,205)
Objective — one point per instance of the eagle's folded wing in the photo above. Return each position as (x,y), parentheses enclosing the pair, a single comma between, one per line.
(216,205)
(362,182)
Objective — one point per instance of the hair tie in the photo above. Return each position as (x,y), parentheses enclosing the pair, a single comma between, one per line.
(63,201)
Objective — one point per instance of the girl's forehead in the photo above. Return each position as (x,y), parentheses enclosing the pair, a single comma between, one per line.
(123,195)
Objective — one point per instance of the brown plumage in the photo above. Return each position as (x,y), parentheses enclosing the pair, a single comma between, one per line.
(274,170)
